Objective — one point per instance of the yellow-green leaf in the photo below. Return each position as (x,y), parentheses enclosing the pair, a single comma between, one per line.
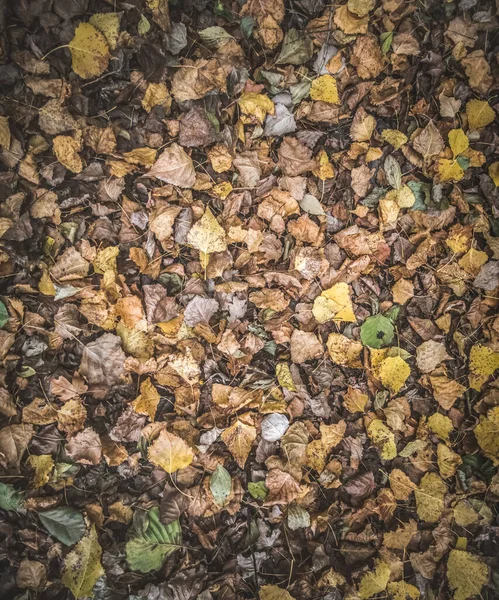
(82,567)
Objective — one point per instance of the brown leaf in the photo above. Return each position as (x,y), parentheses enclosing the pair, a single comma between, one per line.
(174,166)
(14,440)
(295,158)
(85,447)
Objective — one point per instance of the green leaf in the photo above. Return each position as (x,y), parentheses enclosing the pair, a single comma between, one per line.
(392,314)
(463,162)
(258,490)
(377,331)
(4,315)
(214,37)
(220,484)
(26,372)
(386,41)
(421,192)
(10,498)
(247,25)
(63,523)
(144,26)
(296,48)
(148,551)
(393,172)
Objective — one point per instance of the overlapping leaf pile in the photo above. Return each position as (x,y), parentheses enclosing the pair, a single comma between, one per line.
(249,342)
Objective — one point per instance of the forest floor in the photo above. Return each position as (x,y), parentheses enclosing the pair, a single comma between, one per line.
(249,270)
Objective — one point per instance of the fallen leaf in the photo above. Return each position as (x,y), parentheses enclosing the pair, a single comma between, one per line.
(170,452)
(174,166)
(82,566)
(89,51)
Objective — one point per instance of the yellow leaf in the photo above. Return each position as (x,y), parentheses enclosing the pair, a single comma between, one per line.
(354,400)
(459,238)
(324,89)
(45,284)
(170,452)
(89,51)
(394,137)
(82,566)
(449,170)
(220,158)
(465,514)
(325,169)
(361,7)
(430,498)
(440,425)
(400,590)
(486,434)
(393,373)
(480,114)
(106,260)
(373,154)
(448,461)
(374,582)
(43,466)
(239,438)
(405,197)
(147,402)
(207,235)
(483,363)
(272,592)
(284,377)
(334,304)
(316,456)
(466,574)
(344,351)
(493,172)
(141,156)
(222,190)
(109,25)
(383,439)
(156,95)
(4,133)
(256,105)
(473,261)
(458,141)
(402,487)
(66,151)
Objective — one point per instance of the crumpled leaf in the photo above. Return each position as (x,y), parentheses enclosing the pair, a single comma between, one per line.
(383,439)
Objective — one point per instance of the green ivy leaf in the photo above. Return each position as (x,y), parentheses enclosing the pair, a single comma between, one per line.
(10,498)
(220,484)
(377,331)
(147,551)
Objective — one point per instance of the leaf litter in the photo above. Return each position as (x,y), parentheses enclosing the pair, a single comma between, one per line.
(249,260)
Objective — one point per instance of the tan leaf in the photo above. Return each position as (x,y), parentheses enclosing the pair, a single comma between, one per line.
(147,402)
(174,166)
(239,438)
(14,440)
